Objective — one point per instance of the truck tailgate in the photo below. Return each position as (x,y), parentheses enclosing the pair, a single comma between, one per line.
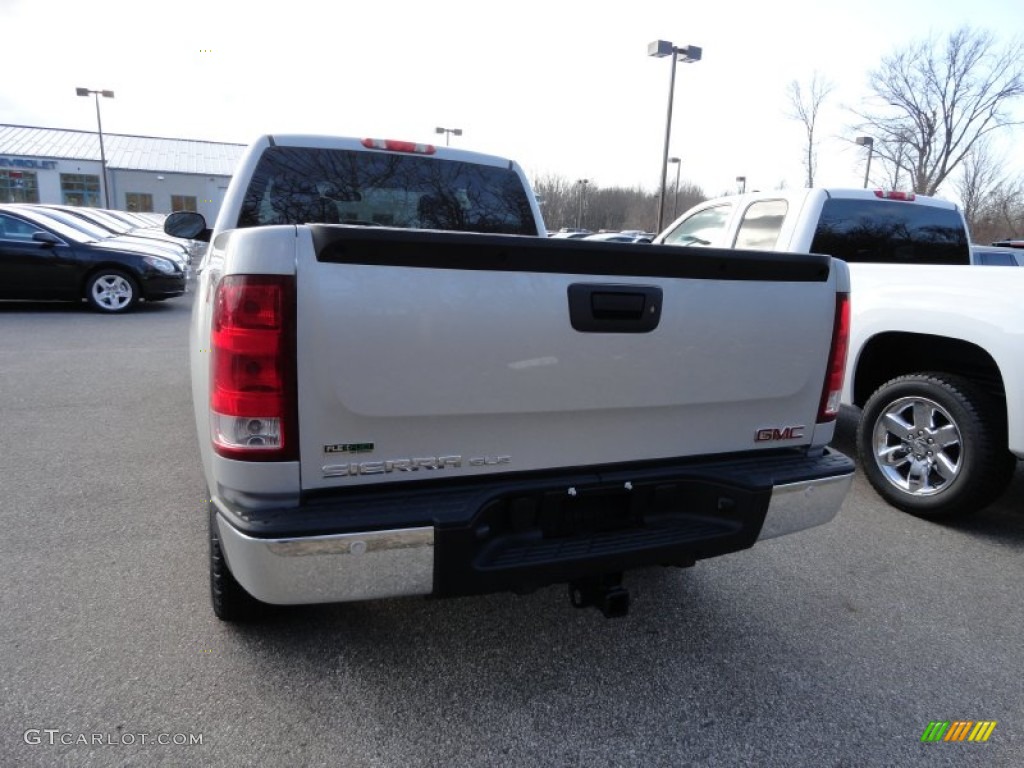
(427,355)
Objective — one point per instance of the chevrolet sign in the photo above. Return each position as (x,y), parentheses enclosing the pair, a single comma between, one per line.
(20,162)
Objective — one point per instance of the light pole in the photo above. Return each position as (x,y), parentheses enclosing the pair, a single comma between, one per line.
(867,141)
(582,184)
(687,54)
(675,200)
(99,126)
(742,181)
(448,132)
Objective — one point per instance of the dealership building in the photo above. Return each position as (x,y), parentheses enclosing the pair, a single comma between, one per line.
(144,173)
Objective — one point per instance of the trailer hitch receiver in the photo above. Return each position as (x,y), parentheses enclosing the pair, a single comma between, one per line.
(604,592)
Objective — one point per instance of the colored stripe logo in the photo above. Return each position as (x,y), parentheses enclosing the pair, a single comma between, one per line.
(958,730)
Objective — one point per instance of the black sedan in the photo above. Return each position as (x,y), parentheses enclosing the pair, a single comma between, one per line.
(42,215)
(113,224)
(53,261)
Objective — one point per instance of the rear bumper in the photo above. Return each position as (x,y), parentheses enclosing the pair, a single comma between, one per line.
(527,533)
(798,506)
(329,569)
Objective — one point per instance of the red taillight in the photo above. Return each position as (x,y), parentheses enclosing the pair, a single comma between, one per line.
(400,146)
(894,195)
(832,391)
(253,403)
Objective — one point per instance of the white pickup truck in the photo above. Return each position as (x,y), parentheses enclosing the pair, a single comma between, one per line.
(936,345)
(402,387)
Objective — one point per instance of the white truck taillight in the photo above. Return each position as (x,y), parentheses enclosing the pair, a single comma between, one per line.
(836,371)
(253,401)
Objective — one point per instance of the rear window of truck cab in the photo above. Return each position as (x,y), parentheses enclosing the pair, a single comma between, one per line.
(303,185)
(891,232)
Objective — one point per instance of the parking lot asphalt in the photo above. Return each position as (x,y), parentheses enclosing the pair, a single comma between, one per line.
(834,647)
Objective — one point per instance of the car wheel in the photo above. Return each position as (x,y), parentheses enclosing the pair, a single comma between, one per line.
(230,600)
(934,445)
(110,290)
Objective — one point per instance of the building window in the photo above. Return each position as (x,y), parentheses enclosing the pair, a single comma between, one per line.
(139,202)
(19,187)
(80,189)
(183,203)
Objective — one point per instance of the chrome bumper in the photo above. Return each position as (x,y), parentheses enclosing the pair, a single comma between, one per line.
(331,569)
(797,506)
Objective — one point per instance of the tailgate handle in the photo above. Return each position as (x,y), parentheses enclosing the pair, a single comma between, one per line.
(610,308)
(617,306)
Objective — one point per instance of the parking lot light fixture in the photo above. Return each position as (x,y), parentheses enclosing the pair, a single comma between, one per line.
(686,54)
(448,132)
(99,125)
(869,142)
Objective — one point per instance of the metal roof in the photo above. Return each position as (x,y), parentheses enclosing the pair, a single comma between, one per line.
(124,152)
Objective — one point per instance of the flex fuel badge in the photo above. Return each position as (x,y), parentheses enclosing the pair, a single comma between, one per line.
(349,448)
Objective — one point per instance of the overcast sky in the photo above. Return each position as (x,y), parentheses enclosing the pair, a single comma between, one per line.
(562,86)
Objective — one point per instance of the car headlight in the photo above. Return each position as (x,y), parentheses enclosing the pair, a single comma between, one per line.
(163,265)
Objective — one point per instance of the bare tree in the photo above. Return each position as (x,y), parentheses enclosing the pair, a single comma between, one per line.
(558,198)
(939,101)
(611,208)
(1007,209)
(979,180)
(1000,214)
(804,105)
(895,164)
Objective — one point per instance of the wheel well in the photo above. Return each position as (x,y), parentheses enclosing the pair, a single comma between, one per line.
(896,354)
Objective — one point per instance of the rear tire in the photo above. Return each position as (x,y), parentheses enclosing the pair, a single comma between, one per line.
(230,600)
(934,445)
